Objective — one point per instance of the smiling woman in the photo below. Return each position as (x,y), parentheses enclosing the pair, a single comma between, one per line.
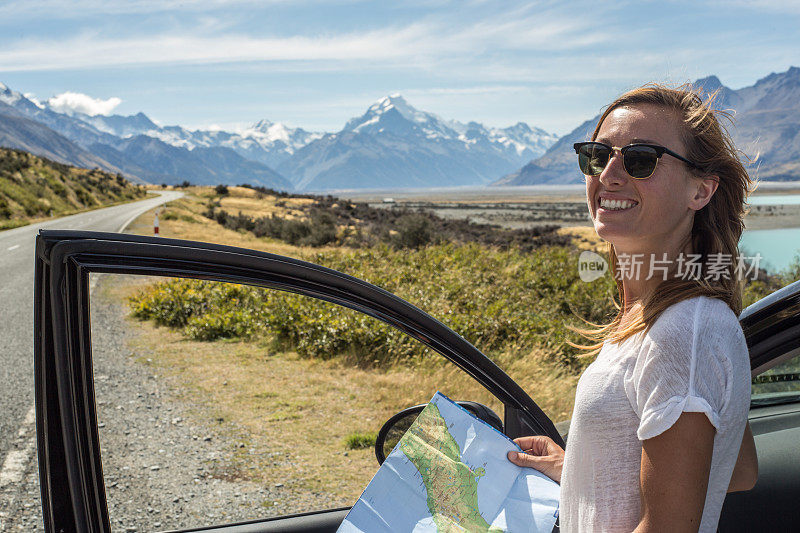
(660,416)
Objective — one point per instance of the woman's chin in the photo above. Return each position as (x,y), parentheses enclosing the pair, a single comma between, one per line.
(610,232)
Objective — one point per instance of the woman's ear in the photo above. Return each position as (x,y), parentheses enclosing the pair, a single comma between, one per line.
(705,188)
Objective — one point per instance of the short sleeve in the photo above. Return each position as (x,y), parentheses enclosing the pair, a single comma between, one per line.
(683,366)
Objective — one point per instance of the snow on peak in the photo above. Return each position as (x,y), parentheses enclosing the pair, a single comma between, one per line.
(267,133)
(34,100)
(275,131)
(8,96)
(262,125)
(382,116)
(396,101)
(393,100)
(393,114)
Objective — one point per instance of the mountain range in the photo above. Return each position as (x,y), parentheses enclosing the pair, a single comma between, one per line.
(395,145)
(391,145)
(766,128)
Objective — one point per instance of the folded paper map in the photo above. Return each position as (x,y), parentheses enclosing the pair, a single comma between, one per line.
(449,473)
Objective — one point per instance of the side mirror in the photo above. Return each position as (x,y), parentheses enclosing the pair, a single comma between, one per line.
(394,428)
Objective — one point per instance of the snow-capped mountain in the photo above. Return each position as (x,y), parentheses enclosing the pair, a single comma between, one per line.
(391,145)
(122,144)
(118,125)
(394,114)
(394,144)
(19,132)
(70,127)
(267,142)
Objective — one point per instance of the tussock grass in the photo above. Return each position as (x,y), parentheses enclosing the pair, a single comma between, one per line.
(358,441)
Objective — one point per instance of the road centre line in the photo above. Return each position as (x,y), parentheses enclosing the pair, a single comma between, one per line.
(16,462)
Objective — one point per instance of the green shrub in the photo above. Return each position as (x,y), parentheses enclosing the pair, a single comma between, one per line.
(366,226)
(498,300)
(321,229)
(413,230)
(358,441)
(791,273)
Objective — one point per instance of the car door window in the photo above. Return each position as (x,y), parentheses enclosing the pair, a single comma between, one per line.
(779,384)
(218,403)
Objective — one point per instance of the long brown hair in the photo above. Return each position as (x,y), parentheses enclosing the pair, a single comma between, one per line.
(717,226)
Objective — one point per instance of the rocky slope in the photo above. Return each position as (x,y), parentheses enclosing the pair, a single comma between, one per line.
(766,128)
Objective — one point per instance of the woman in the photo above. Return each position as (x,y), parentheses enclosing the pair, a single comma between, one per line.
(659,430)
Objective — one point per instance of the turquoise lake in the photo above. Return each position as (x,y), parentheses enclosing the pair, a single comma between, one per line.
(777,247)
(775,199)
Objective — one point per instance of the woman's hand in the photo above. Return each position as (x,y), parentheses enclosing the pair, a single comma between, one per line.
(540,453)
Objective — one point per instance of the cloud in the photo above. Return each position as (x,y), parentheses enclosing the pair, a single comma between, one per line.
(424,43)
(83,8)
(70,103)
(474,90)
(760,6)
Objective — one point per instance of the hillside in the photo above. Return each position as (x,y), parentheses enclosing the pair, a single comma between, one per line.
(34,187)
(766,128)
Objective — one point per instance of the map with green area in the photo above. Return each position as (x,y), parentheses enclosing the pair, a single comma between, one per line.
(451,485)
(449,473)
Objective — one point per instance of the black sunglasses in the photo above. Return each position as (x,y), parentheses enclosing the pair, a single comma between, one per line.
(639,159)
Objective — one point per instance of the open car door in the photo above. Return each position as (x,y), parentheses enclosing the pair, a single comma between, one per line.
(74,496)
(772,329)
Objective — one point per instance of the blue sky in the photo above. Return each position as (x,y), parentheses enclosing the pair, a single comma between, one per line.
(315,64)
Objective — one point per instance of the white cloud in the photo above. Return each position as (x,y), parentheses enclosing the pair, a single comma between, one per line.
(69,102)
(425,43)
(83,8)
(477,90)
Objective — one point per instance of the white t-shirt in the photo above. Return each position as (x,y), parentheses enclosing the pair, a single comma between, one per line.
(695,359)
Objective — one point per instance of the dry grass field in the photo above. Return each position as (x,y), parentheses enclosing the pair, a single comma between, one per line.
(306,409)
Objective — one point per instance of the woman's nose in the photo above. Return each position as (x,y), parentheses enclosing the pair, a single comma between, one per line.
(614,173)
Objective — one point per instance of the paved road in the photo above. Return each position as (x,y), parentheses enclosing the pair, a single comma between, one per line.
(17,448)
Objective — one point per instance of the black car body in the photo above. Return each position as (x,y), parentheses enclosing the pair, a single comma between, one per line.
(72,485)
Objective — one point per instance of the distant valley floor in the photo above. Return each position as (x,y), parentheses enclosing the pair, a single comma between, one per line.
(529,210)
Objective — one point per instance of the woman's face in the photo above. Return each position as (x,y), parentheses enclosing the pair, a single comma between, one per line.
(662,214)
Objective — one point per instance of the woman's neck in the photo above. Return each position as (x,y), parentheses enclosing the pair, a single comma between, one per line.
(642,272)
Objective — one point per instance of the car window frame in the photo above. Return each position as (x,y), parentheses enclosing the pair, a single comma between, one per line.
(70,468)
(771,328)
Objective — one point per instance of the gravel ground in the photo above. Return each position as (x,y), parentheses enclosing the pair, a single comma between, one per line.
(166,464)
